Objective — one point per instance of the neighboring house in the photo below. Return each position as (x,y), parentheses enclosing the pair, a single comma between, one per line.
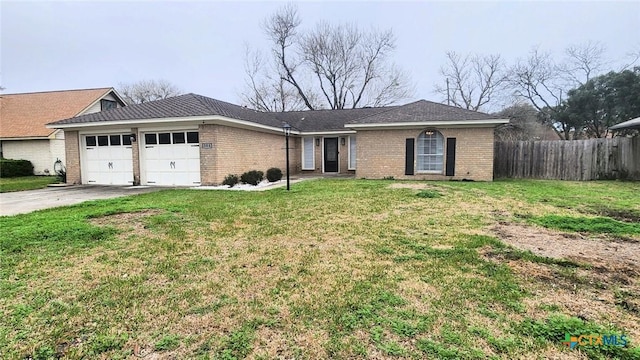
(195,140)
(23,119)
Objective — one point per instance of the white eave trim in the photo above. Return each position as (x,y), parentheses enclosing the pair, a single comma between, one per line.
(216,119)
(323,133)
(449,123)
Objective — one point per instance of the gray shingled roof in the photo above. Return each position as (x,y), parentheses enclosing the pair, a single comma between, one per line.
(421,110)
(190,105)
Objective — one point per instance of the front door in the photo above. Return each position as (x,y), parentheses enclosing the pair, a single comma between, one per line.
(330,154)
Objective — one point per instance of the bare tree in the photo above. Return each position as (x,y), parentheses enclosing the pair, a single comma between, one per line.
(524,124)
(632,58)
(264,91)
(334,66)
(147,90)
(472,81)
(544,83)
(582,62)
(540,81)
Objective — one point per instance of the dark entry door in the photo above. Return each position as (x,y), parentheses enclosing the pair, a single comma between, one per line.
(330,154)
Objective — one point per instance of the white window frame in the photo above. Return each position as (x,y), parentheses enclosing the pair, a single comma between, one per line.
(435,132)
(313,157)
(353,166)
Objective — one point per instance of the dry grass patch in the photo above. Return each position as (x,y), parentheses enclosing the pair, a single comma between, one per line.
(619,256)
(604,290)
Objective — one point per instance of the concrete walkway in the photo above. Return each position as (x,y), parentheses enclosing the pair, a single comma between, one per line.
(21,202)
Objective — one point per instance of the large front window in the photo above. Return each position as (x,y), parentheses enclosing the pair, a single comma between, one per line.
(430,152)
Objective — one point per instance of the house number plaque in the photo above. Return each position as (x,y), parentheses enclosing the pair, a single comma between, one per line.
(207,145)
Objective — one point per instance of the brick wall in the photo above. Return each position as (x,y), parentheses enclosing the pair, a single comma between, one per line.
(235,151)
(72,154)
(381,153)
(135,156)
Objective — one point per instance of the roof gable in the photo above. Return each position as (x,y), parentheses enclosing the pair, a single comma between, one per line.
(26,115)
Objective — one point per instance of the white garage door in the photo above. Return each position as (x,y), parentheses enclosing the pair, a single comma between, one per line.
(108,159)
(172,158)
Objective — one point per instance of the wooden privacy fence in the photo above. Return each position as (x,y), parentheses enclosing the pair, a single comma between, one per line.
(593,159)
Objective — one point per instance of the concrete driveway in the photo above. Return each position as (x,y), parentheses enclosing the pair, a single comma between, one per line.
(21,202)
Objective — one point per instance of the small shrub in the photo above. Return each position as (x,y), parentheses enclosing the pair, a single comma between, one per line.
(274,174)
(428,194)
(14,168)
(231,180)
(388,178)
(253,177)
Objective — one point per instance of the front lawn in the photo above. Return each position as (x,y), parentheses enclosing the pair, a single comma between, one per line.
(333,269)
(26,183)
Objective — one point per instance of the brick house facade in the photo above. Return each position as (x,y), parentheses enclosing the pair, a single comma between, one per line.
(193,140)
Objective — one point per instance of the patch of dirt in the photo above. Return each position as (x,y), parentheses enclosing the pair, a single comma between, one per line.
(621,256)
(131,222)
(606,292)
(631,216)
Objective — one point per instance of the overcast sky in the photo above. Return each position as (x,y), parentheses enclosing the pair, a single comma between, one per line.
(199,45)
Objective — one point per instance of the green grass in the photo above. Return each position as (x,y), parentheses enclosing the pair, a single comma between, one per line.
(26,183)
(596,225)
(332,269)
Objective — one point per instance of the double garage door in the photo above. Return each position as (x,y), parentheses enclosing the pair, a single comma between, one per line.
(167,158)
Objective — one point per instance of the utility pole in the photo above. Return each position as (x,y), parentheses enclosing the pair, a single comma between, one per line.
(448,96)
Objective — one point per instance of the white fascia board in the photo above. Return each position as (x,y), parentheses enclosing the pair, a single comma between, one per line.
(323,133)
(124,102)
(223,120)
(450,123)
(208,119)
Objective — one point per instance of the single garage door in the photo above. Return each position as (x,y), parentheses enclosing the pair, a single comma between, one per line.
(108,159)
(172,158)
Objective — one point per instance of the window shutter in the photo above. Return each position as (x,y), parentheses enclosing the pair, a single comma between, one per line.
(451,157)
(409,159)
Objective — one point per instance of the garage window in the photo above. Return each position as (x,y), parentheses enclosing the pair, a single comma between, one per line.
(178,138)
(150,139)
(114,140)
(126,139)
(90,140)
(192,137)
(103,140)
(164,138)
